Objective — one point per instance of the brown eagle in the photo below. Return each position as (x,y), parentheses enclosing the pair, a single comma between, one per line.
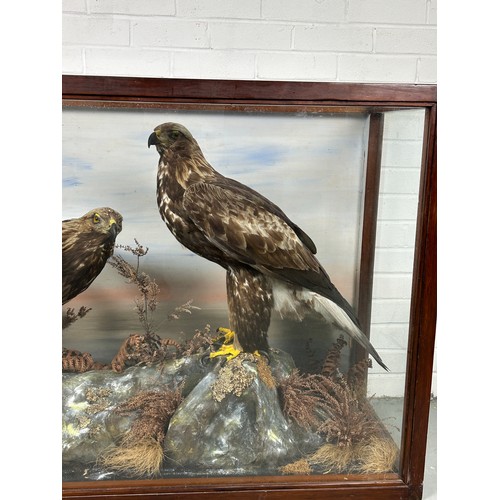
(269,260)
(87,243)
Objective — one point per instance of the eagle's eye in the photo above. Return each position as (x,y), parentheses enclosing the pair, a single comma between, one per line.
(174,134)
(97,219)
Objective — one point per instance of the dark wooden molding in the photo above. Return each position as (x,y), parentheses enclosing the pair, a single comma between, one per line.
(370,210)
(164,90)
(423,315)
(339,97)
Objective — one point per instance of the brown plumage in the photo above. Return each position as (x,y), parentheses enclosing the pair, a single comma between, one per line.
(87,243)
(269,260)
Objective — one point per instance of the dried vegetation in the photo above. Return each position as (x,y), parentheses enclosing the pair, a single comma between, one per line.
(335,406)
(138,348)
(140,451)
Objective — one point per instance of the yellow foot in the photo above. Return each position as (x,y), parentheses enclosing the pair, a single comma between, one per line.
(226,350)
(226,336)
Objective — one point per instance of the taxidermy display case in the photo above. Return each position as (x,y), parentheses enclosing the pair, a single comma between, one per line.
(248,267)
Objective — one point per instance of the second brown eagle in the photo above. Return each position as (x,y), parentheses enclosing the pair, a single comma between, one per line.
(87,243)
(269,261)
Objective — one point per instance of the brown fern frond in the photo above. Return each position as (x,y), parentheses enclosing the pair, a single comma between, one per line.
(144,349)
(201,341)
(130,352)
(299,400)
(170,342)
(356,376)
(347,421)
(76,362)
(331,364)
(70,316)
(326,406)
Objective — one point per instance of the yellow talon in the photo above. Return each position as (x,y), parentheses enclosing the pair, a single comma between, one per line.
(227,335)
(227,348)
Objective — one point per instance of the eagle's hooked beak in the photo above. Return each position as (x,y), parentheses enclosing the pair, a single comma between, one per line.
(114,228)
(153,140)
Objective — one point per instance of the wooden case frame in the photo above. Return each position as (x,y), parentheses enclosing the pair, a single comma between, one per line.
(374,99)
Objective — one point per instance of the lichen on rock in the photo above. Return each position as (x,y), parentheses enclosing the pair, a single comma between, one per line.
(233,378)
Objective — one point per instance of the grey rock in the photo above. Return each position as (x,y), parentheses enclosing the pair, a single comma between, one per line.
(89,424)
(230,421)
(239,430)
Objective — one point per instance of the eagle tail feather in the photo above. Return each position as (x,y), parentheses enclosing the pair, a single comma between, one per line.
(296,302)
(337,315)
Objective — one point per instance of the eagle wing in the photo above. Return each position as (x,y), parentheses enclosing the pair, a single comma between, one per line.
(250,229)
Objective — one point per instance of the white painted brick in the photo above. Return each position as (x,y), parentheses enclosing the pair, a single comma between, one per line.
(406,40)
(390,385)
(392,286)
(137,7)
(400,180)
(404,124)
(118,62)
(398,207)
(377,68)
(83,30)
(387,11)
(401,154)
(304,10)
(391,336)
(297,66)
(391,260)
(396,234)
(250,36)
(427,70)
(74,6)
(395,359)
(432,14)
(228,9)
(170,33)
(390,311)
(72,60)
(214,65)
(333,38)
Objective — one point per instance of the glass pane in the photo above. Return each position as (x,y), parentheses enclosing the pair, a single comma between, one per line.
(394,256)
(141,394)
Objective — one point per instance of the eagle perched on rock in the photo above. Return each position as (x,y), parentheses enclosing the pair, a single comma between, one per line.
(87,244)
(270,262)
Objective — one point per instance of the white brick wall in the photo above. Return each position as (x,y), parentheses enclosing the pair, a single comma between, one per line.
(332,40)
(298,40)
(399,185)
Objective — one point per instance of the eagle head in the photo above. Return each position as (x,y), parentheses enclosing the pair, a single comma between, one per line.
(172,137)
(105,221)
(87,243)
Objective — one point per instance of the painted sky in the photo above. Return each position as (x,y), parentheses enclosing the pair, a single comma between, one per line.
(312,166)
